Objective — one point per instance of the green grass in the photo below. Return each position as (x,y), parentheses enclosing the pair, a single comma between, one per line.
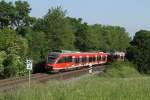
(120,69)
(93,88)
(98,87)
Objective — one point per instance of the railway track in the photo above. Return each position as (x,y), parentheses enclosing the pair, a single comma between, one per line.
(13,83)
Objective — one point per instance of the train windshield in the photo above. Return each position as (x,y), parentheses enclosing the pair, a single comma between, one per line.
(51,58)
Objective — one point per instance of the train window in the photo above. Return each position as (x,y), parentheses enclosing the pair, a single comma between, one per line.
(103,58)
(51,59)
(80,59)
(90,59)
(65,59)
(87,59)
(76,60)
(68,58)
(98,58)
(61,60)
(94,59)
(106,57)
(73,59)
(122,57)
(84,59)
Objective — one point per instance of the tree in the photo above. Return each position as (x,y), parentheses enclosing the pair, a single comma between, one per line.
(57,28)
(22,20)
(6,14)
(82,34)
(3,56)
(12,43)
(38,46)
(116,38)
(22,10)
(98,37)
(139,51)
(15,16)
(82,37)
(13,51)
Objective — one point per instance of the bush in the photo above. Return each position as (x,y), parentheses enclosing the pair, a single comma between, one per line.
(14,66)
(13,49)
(120,69)
(2,58)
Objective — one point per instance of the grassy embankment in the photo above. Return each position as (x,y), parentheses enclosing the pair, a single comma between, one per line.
(119,82)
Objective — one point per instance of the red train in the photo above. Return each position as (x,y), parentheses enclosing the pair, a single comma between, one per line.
(64,60)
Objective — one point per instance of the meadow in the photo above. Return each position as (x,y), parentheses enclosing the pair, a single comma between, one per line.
(110,85)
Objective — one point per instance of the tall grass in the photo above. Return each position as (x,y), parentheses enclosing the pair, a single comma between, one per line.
(90,88)
(120,69)
(93,88)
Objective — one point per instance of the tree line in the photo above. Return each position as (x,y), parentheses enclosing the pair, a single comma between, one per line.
(23,36)
(139,51)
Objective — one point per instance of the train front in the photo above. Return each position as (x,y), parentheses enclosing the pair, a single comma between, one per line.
(51,61)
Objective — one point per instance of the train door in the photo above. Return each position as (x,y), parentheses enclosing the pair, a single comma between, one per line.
(68,61)
(101,59)
(61,63)
(87,60)
(73,61)
(96,59)
(106,58)
(80,60)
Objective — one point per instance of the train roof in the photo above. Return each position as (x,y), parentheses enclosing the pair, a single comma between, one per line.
(56,54)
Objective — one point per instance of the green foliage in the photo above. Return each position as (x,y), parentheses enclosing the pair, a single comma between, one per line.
(14,66)
(38,46)
(59,33)
(22,17)
(38,49)
(84,38)
(11,43)
(139,51)
(114,38)
(6,13)
(120,69)
(13,49)
(91,88)
(2,58)
(99,37)
(15,15)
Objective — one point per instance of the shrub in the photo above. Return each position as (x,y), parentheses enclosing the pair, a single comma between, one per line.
(120,69)
(13,66)
(2,58)
(13,49)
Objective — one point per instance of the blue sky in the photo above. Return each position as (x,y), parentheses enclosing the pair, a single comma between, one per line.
(131,14)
